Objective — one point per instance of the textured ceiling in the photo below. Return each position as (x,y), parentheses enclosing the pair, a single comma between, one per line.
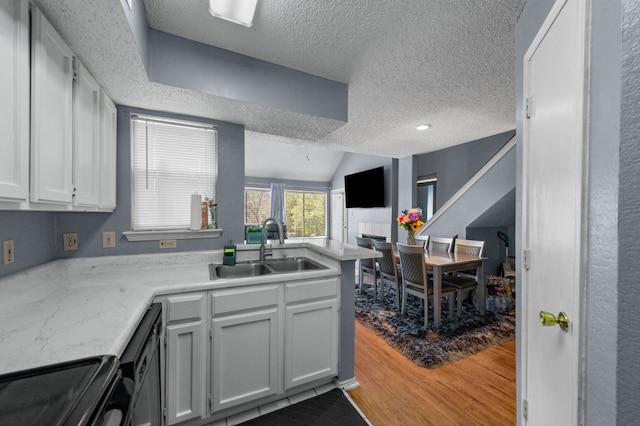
(442,62)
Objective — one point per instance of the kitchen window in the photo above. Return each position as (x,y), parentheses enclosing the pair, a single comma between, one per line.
(306,214)
(305,211)
(170,161)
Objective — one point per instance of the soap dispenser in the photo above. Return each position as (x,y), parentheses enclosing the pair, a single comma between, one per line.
(229,254)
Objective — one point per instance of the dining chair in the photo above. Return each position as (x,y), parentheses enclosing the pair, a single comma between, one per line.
(438,245)
(423,240)
(415,278)
(388,269)
(368,266)
(466,281)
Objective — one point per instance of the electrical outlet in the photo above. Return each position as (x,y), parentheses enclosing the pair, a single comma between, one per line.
(70,241)
(108,239)
(8,255)
(168,244)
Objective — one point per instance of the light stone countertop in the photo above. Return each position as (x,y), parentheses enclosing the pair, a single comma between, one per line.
(75,308)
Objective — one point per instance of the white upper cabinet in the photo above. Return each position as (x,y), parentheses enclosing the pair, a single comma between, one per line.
(86,138)
(51,114)
(14,108)
(57,125)
(108,125)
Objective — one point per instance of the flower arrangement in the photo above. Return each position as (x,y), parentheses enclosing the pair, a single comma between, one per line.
(411,220)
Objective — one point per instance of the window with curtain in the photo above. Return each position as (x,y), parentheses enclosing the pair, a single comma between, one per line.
(257,203)
(170,161)
(306,214)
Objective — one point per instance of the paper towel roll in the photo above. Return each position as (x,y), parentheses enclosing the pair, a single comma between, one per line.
(196,213)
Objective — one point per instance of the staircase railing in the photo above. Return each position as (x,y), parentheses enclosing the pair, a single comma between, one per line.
(474,179)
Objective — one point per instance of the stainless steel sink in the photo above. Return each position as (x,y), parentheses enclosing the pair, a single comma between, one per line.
(240,270)
(294,264)
(253,269)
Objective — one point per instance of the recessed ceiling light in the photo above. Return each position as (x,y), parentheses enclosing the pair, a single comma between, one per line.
(423,127)
(236,11)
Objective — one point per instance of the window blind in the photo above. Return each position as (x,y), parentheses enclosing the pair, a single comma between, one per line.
(170,161)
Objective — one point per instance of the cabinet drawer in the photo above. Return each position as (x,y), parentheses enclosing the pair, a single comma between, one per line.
(239,299)
(183,308)
(310,290)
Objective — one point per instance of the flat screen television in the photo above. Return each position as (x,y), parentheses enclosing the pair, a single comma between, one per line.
(365,189)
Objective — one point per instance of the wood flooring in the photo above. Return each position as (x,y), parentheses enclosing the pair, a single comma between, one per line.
(478,390)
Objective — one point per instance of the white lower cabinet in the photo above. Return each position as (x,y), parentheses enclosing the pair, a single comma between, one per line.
(311,331)
(185,354)
(263,340)
(244,345)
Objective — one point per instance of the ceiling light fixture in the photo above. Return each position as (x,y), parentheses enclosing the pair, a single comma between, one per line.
(237,11)
(423,127)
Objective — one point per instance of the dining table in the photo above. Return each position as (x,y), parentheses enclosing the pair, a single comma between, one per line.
(440,263)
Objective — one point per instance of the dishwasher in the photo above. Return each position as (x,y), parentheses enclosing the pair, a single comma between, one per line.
(140,362)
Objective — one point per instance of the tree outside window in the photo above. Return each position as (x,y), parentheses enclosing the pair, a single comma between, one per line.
(306,214)
(256,205)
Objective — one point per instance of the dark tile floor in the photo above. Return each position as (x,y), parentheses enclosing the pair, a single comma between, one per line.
(330,408)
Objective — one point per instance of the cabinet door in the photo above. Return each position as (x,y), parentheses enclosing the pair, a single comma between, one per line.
(14,108)
(244,355)
(311,342)
(51,114)
(86,138)
(185,372)
(108,123)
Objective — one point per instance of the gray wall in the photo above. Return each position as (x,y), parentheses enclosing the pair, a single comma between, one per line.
(137,18)
(454,166)
(38,235)
(407,189)
(353,163)
(230,195)
(176,61)
(611,369)
(33,238)
(628,373)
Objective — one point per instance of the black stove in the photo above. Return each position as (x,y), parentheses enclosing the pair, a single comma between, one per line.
(72,393)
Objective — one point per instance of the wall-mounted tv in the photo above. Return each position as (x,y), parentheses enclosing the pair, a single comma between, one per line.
(365,189)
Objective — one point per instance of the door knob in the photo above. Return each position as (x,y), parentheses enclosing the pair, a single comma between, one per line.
(549,320)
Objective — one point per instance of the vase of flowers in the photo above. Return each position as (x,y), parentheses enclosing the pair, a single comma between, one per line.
(411,220)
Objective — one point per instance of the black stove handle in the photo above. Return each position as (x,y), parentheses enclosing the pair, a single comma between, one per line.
(119,402)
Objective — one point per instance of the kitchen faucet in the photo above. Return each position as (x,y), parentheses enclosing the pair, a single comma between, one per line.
(264,252)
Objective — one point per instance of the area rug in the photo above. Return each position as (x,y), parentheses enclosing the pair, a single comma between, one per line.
(432,348)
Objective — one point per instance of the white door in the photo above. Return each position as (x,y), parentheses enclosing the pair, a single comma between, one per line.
(338,216)
(553,152)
